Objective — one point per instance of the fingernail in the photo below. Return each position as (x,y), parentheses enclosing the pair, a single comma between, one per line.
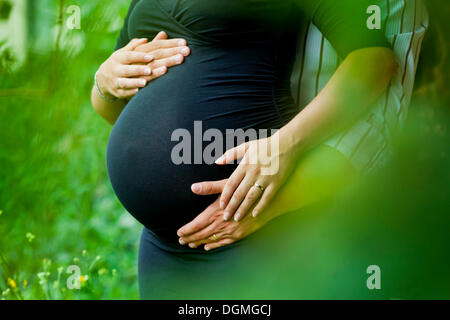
(206,248)
(227,215)
(147,71)
(185,51)
(162,69)
(142,82)
(179,58)
(181,43)
(192,245)
(148,57)
(181,241)
(254,213)
(196,187)
(237,216)
(219,161)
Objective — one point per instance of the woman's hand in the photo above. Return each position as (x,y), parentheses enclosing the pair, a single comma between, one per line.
(265,165)
(210,229)
(132,67)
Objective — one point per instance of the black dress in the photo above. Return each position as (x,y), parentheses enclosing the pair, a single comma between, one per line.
(237,77)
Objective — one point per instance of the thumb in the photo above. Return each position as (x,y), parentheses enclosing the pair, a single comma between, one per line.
(134,43)
(233,154)
(161,36)
(199,222)
(209,187)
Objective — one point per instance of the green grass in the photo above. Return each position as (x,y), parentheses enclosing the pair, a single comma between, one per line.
(57,206)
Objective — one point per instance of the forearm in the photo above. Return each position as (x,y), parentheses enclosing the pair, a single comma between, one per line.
(353,89)
(319,174)
(322,171)
(109,111)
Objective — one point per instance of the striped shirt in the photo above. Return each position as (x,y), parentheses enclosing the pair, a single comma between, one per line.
(366,143)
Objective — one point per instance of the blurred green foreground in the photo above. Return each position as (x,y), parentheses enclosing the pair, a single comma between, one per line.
(57,207)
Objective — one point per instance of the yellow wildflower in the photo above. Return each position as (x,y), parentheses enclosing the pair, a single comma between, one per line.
(12,283)
(83,279)
(25,283)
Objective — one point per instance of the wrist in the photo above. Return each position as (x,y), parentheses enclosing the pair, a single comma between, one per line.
(291,141)
(101,89)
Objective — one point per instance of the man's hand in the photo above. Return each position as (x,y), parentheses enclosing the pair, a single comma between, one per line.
(164,53)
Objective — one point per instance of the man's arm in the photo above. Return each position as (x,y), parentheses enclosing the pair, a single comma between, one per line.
(318,175)
(351,91)
(367,143)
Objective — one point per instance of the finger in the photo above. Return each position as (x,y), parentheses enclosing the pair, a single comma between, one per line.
(156,73)
(208,187)
(160,44)
(250,199)
(133,57)
(127,83)
(238,196)
(134,43)
(218,244)
(127,71)
(167,62)
(169,52)
(123,94)
(161,35)
(210,239)
(233,154)
(231,185)
(266,197)
(201,221)
(195,244)
(204,233)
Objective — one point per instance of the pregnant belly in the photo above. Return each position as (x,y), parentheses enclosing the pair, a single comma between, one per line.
(145,177)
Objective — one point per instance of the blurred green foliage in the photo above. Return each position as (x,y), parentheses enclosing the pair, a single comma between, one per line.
(57,207)
(55,198)
(5,9)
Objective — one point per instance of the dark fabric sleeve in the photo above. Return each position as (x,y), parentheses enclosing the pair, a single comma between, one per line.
(123,38)
(344,23)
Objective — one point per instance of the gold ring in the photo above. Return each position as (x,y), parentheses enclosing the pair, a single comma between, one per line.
(215,237)
(260,187)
